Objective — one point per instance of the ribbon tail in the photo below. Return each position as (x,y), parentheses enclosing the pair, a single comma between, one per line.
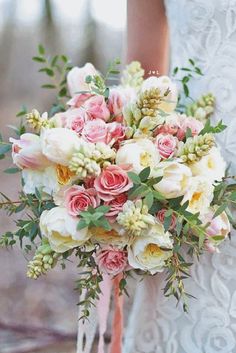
(117,327)
(103,309)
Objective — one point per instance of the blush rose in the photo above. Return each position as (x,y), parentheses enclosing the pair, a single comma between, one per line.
(166,145)
(111,260)
(112,182)
(116,206)
(96,108)
(78,199)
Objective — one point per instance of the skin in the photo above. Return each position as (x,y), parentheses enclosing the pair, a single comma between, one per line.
(148,35)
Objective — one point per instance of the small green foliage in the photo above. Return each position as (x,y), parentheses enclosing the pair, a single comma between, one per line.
(208,128)
(94,217)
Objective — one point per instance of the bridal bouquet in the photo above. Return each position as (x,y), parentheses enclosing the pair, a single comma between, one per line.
(123,178)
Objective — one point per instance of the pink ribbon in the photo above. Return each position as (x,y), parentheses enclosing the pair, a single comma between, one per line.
(103,311)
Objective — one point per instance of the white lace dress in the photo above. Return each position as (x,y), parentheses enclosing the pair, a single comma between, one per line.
(204,30)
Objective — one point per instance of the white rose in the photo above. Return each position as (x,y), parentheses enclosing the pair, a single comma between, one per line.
(43,180)
(199,194)
(163,83)
(212,166)
(140,153)
(76,78)
(145,253)
(175,178)
(61,230)
(59,144)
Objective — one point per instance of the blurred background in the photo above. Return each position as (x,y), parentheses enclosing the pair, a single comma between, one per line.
(41,316)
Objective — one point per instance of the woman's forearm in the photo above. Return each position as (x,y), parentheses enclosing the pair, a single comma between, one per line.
(147,35)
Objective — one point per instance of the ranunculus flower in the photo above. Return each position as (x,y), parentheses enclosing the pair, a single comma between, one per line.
(46,180)
(96,108)
(175,178)
(116,206)
(219,226)
(188,122)
(161,217)
(111,260)
(95,131)
(27,152)
(163,83)
(76,78)
(212,166)
(140,153)
(112,182)
(78,100)
(116,132)
(76,119)
(166,145)
(170,126)
(115,105)
(77,199)
(59,144)
(145,252)
(199,194)
(61,230)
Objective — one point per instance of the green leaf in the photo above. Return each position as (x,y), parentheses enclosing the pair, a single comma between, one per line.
(188,133)
(154,181)
(54,61)
(157,195)
(176,69)
(48,71)
(144,174)
(148,200)
(64,58)
(167,220)
(88,79)
(82,224)
(4,148)
(218,237)
(49,86)
(122,284)
(39,59)
(134,177)
(186,90)
(63,92)
(12,170)
(139,191)
(191,62)
(220,209)
(103,209)
(233,196)
(213,129)
(41,49)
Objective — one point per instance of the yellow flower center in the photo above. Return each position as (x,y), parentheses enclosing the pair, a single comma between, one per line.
(145,159)
(153,250)
(210,163)
(196,196)
(64,174)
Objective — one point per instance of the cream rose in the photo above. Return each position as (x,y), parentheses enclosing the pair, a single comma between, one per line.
(150,253)
(61,230)
(212,166)
(59,144)
(163,83)
(175,178)
(199,195)
(140,153)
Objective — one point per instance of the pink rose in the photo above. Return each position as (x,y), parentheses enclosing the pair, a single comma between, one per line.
(219,226)
(115,105)
(111,260)
(95,131)
(78,199)
(27,152)
(112,182)
(79,100)
(187,122)
(76,78)
(76,119)
(166,145)
(116,132)
(96,108)
(171,125)
(116,206)
(161,217)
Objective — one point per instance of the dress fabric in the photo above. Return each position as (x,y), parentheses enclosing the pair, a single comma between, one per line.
(204,30)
